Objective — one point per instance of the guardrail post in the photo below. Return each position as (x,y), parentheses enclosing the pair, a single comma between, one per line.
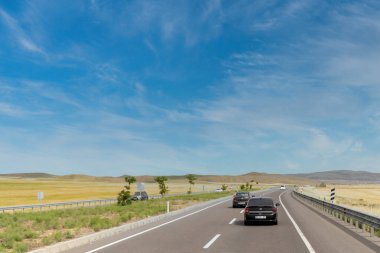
(372,231)
(357,224)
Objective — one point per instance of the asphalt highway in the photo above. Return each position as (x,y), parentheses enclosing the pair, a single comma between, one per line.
(219,228)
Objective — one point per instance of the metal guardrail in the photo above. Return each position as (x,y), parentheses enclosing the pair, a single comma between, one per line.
(348,215)
(70,204)
(81,203)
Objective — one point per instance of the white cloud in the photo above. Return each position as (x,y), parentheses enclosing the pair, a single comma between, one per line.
(11,110)
(19,34)
(47,90)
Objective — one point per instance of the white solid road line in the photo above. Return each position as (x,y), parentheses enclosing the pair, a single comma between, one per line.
(242,211)
(211,241)
(232,221)
(153,228)
(303,237)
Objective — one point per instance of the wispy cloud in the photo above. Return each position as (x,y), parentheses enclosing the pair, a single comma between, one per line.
(20,35)
(11,110)
(45,90)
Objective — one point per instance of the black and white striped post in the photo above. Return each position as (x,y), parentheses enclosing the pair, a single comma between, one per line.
(332,195)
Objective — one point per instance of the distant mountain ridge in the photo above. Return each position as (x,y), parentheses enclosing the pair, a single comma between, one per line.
(253,176)
(342,176)
(29,175)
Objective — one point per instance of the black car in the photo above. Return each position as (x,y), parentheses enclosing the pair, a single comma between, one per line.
(140,196)
(240,199)
(259,210)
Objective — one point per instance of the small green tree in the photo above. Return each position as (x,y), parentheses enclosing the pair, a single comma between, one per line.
(124,197)
(242,187)
(191,178)
(130,180)
(224,187)
(162,184)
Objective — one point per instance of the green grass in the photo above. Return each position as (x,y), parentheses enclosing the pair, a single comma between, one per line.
(20,232)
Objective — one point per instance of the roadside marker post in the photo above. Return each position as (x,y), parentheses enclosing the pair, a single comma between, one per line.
(40,196)
(167,206)
(140,187)
(332,195)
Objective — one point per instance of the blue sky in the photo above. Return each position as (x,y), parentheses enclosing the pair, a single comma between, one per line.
(173,87)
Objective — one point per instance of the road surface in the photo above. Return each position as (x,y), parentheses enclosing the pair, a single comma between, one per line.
(219,228)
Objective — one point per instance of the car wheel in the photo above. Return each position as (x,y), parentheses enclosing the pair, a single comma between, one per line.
(275,222)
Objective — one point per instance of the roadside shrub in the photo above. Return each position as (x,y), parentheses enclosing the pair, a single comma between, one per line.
(29,234)
(7,241)
(70,223)
(58,236)
(126,216)
(68,235)
(20,248)
(98,223)
(46,240)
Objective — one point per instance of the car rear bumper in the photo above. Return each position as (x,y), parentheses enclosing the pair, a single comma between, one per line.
(242,203)
(260,217)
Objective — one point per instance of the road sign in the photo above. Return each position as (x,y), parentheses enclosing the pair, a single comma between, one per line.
(140,187)
(40,195)
(332,195)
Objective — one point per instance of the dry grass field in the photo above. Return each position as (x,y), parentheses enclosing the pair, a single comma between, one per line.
(20,191)
(363,197)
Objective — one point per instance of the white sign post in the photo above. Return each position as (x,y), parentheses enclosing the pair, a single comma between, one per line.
(40,196)
(140,187)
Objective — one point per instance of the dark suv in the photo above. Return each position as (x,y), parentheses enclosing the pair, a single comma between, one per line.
(261,209)
(140,196)
(240,199)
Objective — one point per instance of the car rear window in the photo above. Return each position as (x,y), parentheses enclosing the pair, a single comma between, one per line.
(242,194)
(260,202)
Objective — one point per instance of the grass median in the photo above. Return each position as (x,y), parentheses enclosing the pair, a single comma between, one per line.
(20,232)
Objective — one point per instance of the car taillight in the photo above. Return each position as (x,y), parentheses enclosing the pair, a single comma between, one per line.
(274,210)
(246,210)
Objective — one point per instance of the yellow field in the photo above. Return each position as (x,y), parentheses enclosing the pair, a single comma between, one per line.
(364,197)
(14,191)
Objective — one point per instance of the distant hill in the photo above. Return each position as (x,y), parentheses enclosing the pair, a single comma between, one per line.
(342,176)
(255,176)
(28,175)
